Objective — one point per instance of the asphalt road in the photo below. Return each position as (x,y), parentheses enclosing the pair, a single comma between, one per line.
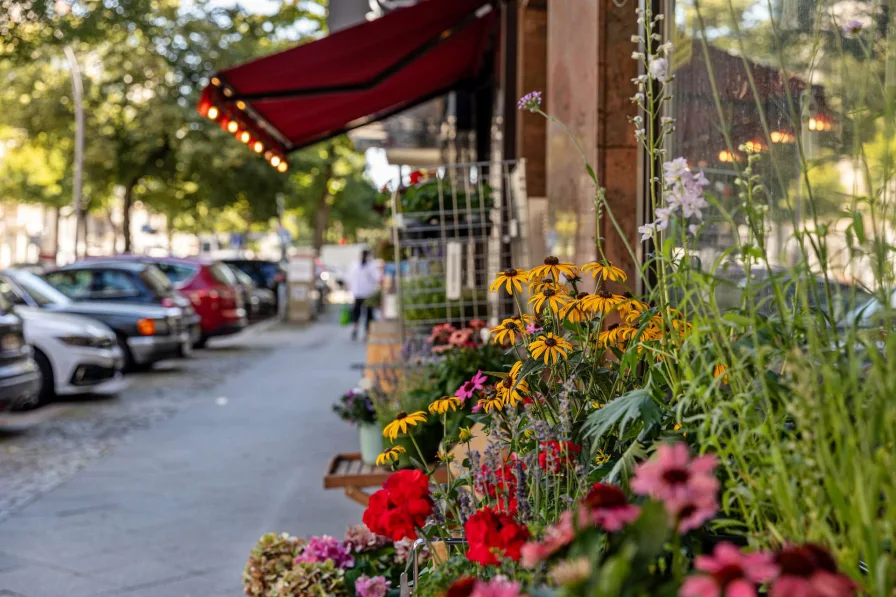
(162,491)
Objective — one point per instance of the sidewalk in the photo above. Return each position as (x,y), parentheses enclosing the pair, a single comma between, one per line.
(174,512)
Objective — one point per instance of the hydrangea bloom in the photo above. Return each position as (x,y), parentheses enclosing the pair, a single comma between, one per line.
(367,586)
(359,538)
(323,548)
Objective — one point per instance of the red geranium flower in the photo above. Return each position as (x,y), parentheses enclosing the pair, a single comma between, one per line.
(504,487)
(416,176)
(402,506)
(561,454)
(492,535)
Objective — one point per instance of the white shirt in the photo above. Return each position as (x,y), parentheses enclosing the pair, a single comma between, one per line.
(363,280)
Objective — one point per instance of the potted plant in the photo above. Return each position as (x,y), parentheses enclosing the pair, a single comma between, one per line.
(356,407)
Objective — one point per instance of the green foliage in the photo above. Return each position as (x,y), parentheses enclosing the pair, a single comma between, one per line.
(634,407)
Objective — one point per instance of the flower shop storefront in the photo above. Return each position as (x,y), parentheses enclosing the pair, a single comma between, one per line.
(699,409)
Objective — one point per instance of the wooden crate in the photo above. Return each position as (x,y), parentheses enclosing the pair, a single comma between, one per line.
(348,472)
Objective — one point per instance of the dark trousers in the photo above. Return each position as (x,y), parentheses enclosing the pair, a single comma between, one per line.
(359,306)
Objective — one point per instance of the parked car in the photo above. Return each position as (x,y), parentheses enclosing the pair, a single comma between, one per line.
(211,287)
(75,355)
(146,333)
(246,288)
(265,274)
(19,375)
(126,282)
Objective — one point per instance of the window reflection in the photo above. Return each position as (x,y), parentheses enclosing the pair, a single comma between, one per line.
(803,85)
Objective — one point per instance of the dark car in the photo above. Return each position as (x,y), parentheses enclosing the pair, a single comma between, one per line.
(265,274)
(211,286)
(147,333)
(125,282)
(20,380)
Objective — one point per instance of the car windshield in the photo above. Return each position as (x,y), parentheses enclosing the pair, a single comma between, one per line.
(157,281)
(177,273)
(40,290)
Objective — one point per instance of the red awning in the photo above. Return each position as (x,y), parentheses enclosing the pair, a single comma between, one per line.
(356,76)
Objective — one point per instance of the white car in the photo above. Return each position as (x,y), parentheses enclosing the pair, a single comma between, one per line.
(76,355)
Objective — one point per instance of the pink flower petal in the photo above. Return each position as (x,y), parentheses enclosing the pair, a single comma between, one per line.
(699,586)
(740,588)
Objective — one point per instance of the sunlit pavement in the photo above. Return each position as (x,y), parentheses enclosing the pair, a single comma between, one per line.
(174,510)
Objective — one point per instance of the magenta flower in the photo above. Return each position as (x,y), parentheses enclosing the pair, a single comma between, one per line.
(691,512)
(556,537)
(323,548)
(728,573)
(809,571)
(468,388)
(671,474)
(375,586)
(531,101)
(533,328)
(609,508)
(497,587)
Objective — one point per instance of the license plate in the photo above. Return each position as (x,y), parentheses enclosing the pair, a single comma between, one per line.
(10,342)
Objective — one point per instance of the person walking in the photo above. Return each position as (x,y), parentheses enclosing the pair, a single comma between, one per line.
(363,281)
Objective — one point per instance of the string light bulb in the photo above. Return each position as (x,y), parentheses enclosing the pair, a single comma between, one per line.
(241,104)
(258,147)
(726,156)
(282,167)
(245,136)
(233,127)
(212,113)
(275,161)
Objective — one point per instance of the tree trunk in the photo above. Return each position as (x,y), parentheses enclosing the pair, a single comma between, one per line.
(114,230)
(322,213)
(126,215)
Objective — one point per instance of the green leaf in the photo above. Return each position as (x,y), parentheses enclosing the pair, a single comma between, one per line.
(615,572)
(636,405)
(650,532)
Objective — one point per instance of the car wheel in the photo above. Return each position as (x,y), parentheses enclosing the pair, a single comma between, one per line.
(47,381)
(203,340)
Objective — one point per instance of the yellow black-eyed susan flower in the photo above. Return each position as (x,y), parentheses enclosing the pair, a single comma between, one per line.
(511,391)
(575,312)
(444,456)
(511,279)
(508,330)
(554,297)
(401,423)
(553,268)
(720,371)
(390,455)
(443,405)
(539,284)
(551,347)
(490,403)
(602,301)
(515,370)
(631,308)
(605,270)
(464,434)
(609,336)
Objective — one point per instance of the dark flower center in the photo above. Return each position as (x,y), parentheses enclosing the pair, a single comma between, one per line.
(511,326)
(550,342)
(582,295)
(549,292)
(605,496)
(507,382)
(628,294)
(604,294)
(676,476)
(551,260)
(613,327)
(468,386)
(727,574)
(510,273)
(401,415)
(687,511)
(804,561)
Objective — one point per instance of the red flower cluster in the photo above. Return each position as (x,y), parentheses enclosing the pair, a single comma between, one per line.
(397,510)
(555,455)
(503,489)
(492,536)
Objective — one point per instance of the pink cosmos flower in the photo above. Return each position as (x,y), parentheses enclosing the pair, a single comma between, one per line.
(608,507)
(556,537)
(809,571)
(533,328)
(497,587)
(468,388)
(672,474)
(728,573)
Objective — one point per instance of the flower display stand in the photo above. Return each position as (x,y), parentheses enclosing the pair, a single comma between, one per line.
(348,472)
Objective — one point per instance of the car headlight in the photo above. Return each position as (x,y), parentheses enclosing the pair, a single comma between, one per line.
(87,341)
(10,342)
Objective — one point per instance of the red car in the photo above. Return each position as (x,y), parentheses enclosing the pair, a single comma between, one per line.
(212,288)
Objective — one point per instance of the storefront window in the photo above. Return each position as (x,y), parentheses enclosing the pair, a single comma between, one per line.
(805,86)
